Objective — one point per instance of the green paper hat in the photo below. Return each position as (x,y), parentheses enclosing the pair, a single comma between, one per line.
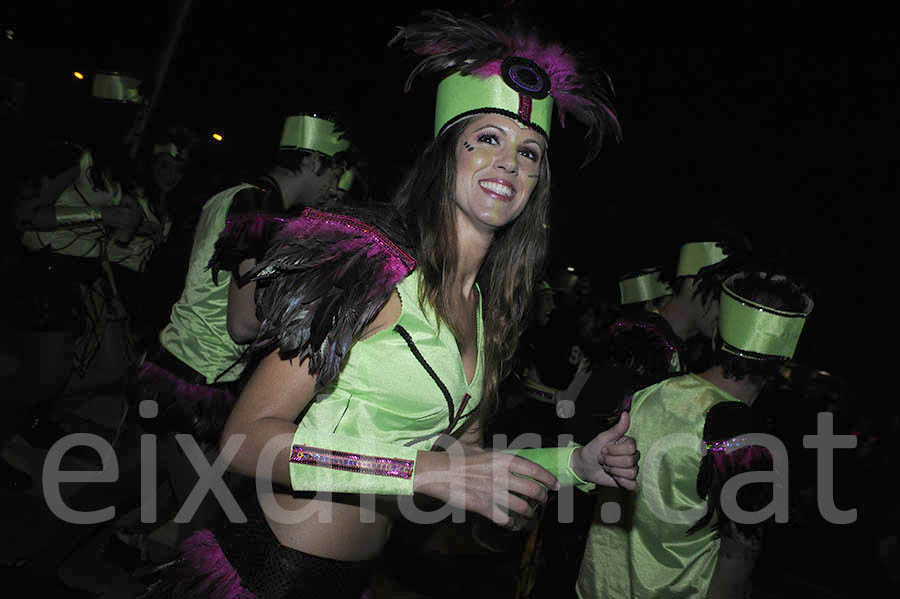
(507,70)
(753,330)
(116,87)
(310,132)
(166,148)
(696,256)
(460,96)
(643,286)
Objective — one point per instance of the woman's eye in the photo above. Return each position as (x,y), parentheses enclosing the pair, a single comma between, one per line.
(530,154)
(487,138)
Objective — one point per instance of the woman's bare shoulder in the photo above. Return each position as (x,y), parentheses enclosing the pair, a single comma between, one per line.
(387,317)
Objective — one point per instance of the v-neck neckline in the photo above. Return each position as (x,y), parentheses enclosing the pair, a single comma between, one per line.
(413,293)
(478,334)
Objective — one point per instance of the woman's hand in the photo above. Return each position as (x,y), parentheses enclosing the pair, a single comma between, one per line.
(610,459)
(482,481)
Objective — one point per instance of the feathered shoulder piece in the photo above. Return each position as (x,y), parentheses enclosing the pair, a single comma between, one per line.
(644,344)
(515,73)
(244,236)
(728,450)
(321,283)
(727,441)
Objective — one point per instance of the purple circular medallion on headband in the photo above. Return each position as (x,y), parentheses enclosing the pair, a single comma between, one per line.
(526,77)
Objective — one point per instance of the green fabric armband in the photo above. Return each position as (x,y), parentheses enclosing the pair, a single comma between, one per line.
(77,216)
(342,464)
(557,461)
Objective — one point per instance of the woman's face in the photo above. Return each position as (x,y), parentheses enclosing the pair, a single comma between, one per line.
(498,165)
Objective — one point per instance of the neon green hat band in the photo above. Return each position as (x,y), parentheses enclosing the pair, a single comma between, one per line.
(643,287)
(752,330)
(461,95)
(116,87)
(696,256)
(306,132)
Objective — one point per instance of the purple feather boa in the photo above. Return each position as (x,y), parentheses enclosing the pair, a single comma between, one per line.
(202,554)
(180,388)
(201,570)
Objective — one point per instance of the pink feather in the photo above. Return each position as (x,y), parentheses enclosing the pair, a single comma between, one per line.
(559,66)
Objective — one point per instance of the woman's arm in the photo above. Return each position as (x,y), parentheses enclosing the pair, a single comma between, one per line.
(480,481)
(279,390)
(264,414)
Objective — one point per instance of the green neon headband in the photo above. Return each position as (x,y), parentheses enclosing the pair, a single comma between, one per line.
(696,256)
(305,132)
(116,87)
(459,96)
(643,287)
(753,330)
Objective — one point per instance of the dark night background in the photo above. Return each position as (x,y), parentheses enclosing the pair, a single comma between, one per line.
(775,117)
(772,119)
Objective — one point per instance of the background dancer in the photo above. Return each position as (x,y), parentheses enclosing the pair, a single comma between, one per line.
(652,549)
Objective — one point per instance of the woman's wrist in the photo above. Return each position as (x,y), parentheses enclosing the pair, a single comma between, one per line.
(577,464)
(428,463)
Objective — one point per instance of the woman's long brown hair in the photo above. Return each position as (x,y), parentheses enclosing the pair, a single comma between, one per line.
(426,199)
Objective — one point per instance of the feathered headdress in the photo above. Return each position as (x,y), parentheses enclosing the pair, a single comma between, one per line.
(509,73)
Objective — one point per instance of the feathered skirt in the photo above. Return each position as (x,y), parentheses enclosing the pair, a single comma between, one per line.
(246,561)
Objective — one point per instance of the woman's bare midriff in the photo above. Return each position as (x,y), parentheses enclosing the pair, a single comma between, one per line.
(327,529)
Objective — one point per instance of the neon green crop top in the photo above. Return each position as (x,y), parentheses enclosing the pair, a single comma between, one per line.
(385,392)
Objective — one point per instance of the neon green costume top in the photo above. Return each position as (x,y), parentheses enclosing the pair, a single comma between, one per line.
(362,433)
(197,332)
(648,553)
(385,405)
(79,203)
(385,391)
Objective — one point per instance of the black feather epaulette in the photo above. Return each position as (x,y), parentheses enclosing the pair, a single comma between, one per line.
(645,345)
(245,236)
(322,281)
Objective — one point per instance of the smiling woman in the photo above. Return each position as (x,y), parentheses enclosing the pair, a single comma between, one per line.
(402,323)
(498,167)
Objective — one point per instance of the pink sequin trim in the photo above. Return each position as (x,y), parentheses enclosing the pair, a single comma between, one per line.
(352,462)
(401,263)
(525,108)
